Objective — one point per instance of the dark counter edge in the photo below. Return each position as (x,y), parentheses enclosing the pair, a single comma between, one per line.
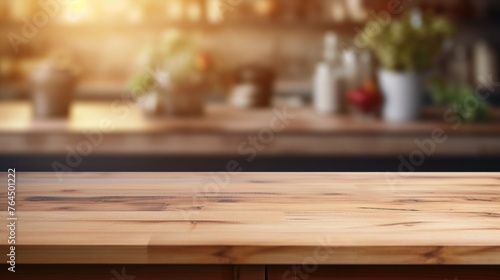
(187,163)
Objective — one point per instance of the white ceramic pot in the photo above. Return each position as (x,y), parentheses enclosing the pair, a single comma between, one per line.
(150,103)
(403,95)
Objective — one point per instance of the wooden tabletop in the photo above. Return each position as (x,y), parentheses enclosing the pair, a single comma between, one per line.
(116,128)
(256,218)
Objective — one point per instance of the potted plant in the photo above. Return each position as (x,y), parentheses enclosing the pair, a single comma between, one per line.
(174,75)
(406,48)
(462,101)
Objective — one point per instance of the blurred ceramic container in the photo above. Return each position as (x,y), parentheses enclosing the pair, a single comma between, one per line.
(352,69)
(327,87)
(326,90)
(485,65)
(184,100)
(252,87)
(150,103)
(52,92)
(403,95)
(187,101)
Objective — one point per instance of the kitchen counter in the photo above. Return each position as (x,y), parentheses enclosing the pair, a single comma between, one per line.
(256,218)
(116,128)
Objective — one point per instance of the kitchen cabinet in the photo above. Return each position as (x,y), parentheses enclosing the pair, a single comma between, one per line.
(385,273)
(189,272)
(120,272)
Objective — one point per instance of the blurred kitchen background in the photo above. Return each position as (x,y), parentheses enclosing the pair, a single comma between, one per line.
(251,85)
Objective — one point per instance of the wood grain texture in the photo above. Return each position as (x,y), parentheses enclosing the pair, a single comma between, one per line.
(223,129)
(257,218)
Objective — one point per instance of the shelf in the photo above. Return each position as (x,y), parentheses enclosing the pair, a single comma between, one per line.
(222,129)
(196,25)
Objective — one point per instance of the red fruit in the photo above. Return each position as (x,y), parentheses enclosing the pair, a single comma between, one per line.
(365,101)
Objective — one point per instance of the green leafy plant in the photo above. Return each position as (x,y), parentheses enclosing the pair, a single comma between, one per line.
(409,43)
(462,101)
(176,53)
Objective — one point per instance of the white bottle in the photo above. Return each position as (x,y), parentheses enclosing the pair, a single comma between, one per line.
(326,89)
(485,67)
(351,71)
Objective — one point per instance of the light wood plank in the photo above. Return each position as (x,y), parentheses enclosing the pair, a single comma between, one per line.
(257,218)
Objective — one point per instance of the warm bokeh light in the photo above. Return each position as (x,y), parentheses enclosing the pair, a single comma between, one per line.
(377,68)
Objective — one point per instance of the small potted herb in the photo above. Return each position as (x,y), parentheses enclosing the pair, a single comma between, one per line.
(406,48)
(463,102)
(174,75)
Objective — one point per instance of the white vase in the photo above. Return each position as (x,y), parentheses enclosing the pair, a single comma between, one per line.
(403,95)
(149,103)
